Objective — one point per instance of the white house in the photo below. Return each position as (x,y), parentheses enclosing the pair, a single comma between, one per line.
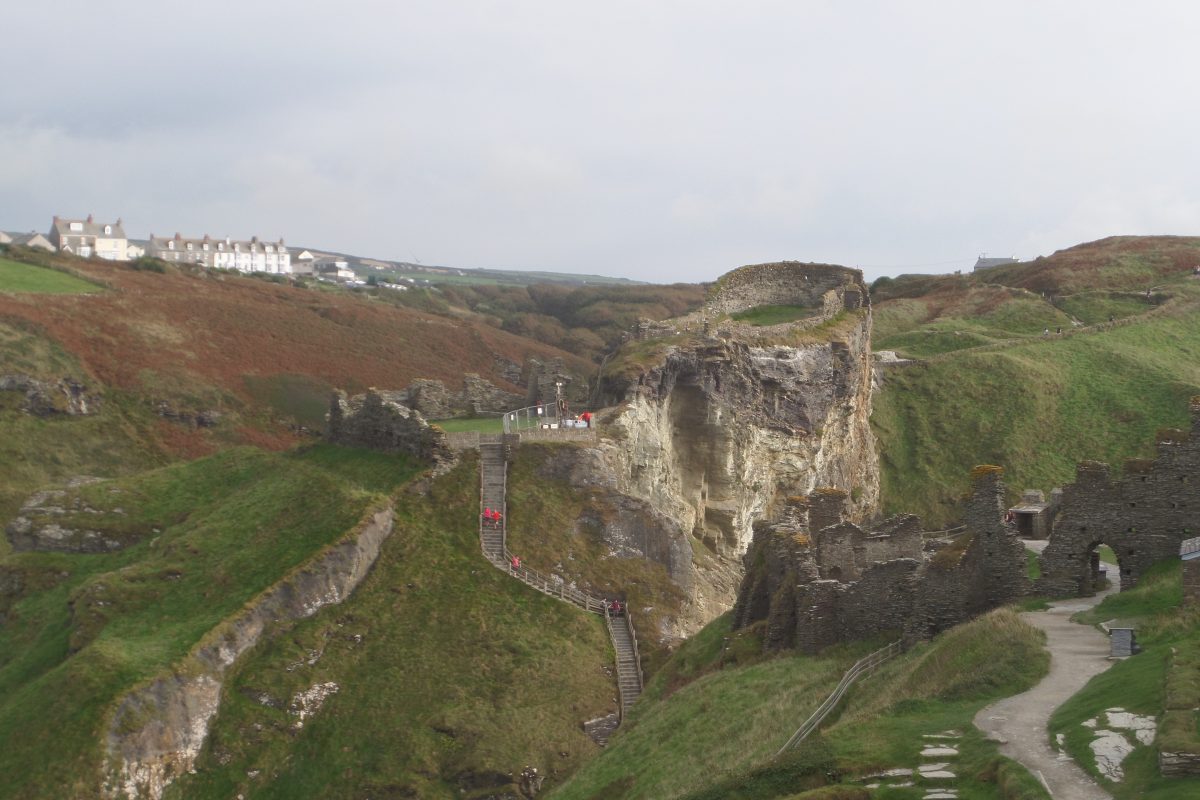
(5,238)
(87,238)
(251,256)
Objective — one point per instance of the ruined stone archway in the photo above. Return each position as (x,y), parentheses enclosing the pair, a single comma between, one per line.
(1143,516)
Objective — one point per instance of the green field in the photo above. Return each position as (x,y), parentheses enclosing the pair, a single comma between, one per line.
(467,424)
(16,277)
(202,539)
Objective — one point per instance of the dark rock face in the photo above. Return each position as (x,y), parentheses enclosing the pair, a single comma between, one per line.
(842,583)
(1143,517)
(65,396)
(378,421)
(629,526)
(479,395)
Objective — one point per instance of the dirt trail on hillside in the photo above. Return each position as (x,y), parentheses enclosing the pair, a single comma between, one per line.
(1077,653)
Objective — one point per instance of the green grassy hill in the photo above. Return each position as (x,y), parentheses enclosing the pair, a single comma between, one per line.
(452,677)
(991,388)
(710,724)
(203,538)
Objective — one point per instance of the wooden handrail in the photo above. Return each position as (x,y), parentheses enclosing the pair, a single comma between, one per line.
(864,665)
(637,657)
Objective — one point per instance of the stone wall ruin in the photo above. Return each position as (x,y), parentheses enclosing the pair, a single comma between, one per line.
(816,580)
(1143,516)
(378,421)
(789,283)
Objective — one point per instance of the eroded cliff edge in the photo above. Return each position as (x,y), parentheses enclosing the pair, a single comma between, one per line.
(718,419)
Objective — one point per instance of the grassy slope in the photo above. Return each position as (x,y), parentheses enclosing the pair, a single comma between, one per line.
(87,627)
(452,677)
(16,277)
(1135,684)
(545,529)
(1035,408)
(714,737)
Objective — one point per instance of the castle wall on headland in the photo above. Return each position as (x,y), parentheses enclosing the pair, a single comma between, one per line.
(789,283)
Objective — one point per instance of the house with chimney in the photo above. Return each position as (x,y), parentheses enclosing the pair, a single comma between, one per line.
(87,238)
(244,256)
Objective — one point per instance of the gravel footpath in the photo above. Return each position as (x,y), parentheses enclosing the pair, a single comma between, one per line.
(1018,723)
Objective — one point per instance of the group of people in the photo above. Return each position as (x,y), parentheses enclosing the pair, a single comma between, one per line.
(492,518)
(615,608)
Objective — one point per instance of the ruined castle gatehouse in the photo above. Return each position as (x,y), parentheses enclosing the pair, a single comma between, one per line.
(1143,516)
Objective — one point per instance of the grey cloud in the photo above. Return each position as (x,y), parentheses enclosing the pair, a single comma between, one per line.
(669,141)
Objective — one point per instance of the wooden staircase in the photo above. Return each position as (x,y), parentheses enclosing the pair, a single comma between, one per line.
(493,541)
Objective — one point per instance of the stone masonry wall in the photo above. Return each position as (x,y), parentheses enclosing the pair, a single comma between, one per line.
(1191,582)
(844,583)
(1143,516)
(787,283)
(378,421)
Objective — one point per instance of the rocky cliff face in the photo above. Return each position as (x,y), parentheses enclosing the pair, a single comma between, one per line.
(728,423)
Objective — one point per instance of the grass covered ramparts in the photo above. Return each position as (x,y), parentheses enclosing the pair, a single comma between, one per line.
(715,735)
(207,537)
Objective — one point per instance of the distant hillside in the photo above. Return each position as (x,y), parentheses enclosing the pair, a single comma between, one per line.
(1120,361)
(387,269)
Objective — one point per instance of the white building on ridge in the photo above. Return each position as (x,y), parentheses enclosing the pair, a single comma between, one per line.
(88,238)
(251,256)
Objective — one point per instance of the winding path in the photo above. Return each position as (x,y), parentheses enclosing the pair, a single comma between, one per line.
(1019,723)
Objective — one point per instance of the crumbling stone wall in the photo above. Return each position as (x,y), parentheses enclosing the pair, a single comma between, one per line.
(788,283)
(1143,516)
(844,583)
(1191,582)
(480,396)
(378,421)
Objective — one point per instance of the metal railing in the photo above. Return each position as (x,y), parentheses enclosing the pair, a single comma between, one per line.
(542,417)
(864,665)
(530,418)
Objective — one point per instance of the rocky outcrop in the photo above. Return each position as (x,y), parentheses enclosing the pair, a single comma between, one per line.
(64,521)
(379,421)
(156,731)
(65,396)
(716,432)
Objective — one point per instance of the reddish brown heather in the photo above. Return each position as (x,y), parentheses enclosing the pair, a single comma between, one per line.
(215,329)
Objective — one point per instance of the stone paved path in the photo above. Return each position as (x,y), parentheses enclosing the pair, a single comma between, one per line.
(1077,653)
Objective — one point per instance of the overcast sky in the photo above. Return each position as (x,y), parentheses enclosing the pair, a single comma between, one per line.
(654,140)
